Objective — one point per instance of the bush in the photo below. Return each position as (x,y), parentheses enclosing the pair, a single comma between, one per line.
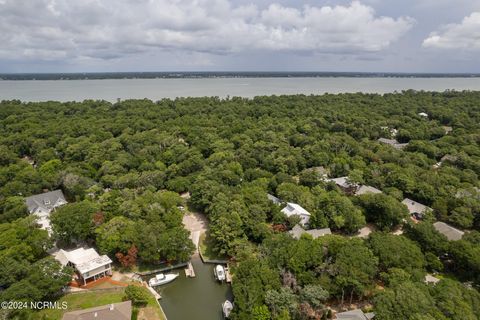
(137,295)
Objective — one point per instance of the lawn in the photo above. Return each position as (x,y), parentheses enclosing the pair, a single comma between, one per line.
(76,301)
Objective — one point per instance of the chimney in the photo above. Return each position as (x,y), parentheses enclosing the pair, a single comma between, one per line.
(112,307)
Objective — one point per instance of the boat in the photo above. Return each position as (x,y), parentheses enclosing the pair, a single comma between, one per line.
(227,307)
(219,272)
(161,278)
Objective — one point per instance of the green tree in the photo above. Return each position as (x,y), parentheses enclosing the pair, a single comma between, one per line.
(74,222)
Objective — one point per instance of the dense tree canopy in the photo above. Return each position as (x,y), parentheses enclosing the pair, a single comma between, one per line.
(122,165)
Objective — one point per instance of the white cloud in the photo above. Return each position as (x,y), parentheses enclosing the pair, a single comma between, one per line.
(463,35)
(107,29)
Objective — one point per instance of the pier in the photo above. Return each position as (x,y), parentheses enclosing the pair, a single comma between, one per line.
(228,275)
(189,271)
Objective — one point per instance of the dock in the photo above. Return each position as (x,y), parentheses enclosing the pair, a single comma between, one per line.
(228,275)
(146,273)
(155,293)
(189,271)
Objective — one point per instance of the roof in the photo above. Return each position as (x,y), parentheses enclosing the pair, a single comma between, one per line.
(84,260)
(355,314)
(342,182)
(448,231)
(366,189)
(393,142)
(295,209)
(431,279)
(273,199)
(114,311)
(297,232)
(415,207)
(423,114)
(46,201)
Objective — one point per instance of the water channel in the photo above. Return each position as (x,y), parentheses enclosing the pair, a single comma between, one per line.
(198,298)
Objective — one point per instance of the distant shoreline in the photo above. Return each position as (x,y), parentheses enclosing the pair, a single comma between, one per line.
(226,74)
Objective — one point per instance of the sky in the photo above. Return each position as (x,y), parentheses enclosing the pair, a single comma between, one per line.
(240,35)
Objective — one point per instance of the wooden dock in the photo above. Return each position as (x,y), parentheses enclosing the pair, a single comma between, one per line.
(228,275)
(189,271)
(155,293)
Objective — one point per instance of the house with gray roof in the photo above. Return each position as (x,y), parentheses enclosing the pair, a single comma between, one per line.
(297,232)
(345,184)
(393,142)
(356,314)
(41,205)
(450,232)
(363,189)
(415,208)
(114,311)
(274,199)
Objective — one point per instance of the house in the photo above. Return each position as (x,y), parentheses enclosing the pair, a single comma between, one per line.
(114,311)
(293,209)
(274,199)
(450,232)
(88,264)
(423,114)
(363,189)
(355,314)
(41,205)
(297,232)
(345,184)
(415,208)
(393,142)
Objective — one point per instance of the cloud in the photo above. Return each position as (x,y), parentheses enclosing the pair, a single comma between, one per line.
(110,29)
(463,35)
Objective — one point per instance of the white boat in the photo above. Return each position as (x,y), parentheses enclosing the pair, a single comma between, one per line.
(227,307)
(161,278)
(219,272)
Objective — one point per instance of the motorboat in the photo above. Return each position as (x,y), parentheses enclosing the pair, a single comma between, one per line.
(227,307)
(219,272)
(161,278)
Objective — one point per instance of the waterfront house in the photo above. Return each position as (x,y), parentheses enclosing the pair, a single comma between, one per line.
(41,205)
(356,314)
(114,311)
(88,264)
(450,232)
(415,208)
(297,232)
(293,209)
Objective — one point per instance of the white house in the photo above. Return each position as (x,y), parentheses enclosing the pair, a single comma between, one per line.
(41,205)
(87,263)
(293,209)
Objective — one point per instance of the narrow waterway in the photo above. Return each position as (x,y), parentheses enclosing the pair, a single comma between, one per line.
(198,298)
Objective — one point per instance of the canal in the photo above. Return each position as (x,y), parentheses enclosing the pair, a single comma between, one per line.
(198,298)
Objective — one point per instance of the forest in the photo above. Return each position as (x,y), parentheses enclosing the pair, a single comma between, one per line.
(122,167)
